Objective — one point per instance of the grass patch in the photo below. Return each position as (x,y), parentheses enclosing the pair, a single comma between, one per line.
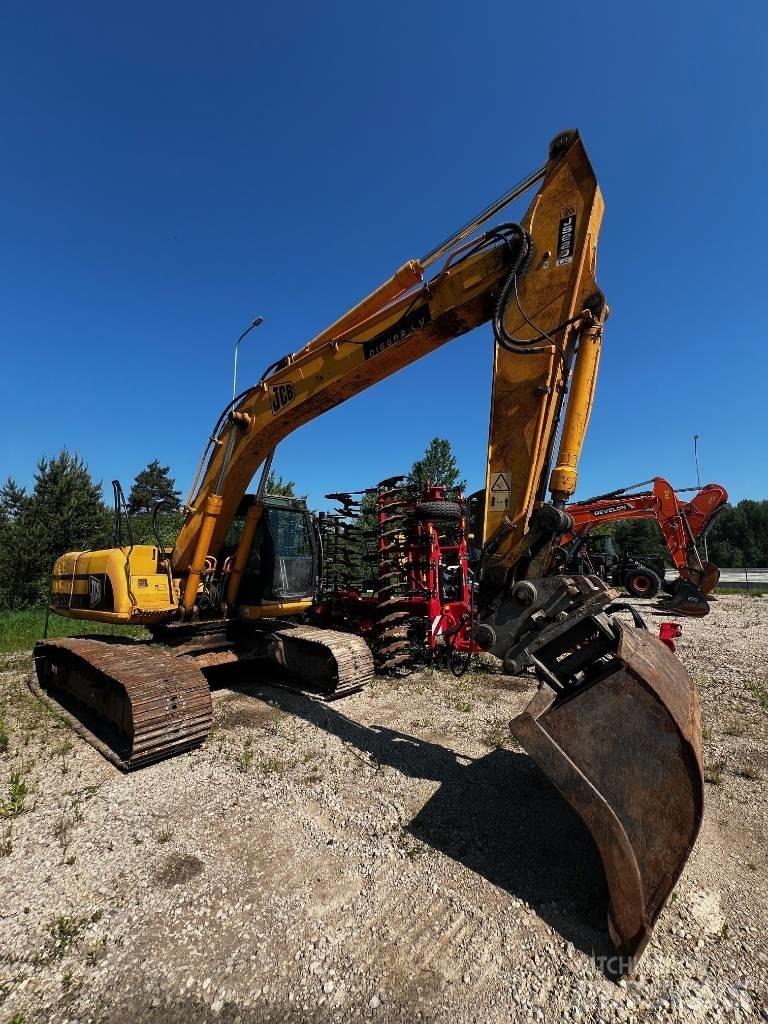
(496,734)
(20,629)
(741,591)
(460,698)
(713,773)
(245,757)
(64,930)
(272,764)
(759,691)
(96,950)
(18,791)
(62,831)
(748,772)
(61,750)
(734,728)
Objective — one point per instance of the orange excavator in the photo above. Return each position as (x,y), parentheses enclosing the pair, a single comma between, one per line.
(682,524)
(615,725)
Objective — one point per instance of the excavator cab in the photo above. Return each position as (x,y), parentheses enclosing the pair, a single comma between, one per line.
(282,565)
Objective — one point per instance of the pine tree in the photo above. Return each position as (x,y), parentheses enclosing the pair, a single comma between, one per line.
(438,467)
(279,487)
(151,485)
(65,512)
(12,500)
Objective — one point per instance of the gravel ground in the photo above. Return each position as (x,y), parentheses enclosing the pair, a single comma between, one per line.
(393,856)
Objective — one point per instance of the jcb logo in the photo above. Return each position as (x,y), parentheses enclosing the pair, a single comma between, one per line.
(282,394)
(94,591)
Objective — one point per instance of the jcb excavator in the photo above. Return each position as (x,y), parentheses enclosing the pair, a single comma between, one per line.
(682,523)
(615,724)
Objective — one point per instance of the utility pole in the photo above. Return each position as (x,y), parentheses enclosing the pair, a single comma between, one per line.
(698,483)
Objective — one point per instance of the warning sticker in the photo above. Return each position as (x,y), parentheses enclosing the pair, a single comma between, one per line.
(501,487)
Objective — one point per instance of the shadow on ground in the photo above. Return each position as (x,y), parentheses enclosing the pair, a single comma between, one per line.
(496,814)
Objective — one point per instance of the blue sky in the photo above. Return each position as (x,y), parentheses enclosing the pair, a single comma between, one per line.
(170,171)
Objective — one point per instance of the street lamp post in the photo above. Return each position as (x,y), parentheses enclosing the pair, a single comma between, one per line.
(256,323)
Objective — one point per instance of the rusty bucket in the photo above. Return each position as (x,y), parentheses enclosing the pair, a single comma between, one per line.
(687,599)
(710,577)
(689,596)
(625,752)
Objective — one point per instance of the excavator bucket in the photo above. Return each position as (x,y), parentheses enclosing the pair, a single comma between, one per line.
(710,577)
(687,599)
(625,752)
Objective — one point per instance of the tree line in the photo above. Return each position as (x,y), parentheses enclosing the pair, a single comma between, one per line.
(65,510)
(738,538)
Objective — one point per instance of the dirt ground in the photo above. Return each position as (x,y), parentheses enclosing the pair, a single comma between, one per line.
(394,856)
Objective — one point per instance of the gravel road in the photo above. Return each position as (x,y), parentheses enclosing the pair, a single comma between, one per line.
(394,856)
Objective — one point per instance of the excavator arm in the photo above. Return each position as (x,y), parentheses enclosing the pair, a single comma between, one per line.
(534,281)
(682,523)
(615,725)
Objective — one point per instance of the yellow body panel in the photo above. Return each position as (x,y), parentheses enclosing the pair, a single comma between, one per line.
(113,585)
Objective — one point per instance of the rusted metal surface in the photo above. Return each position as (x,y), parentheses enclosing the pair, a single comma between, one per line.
(625,752)
(347,659)
(141,702)
(323,663)
(710,577)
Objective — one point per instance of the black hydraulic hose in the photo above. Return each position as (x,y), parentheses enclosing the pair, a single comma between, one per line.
(163,503)
(120,508)
(623,606)
(521,262)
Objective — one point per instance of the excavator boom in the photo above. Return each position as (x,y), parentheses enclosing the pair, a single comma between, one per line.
(213,600)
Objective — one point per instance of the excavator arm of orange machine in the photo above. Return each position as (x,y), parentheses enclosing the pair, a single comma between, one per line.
(682,524)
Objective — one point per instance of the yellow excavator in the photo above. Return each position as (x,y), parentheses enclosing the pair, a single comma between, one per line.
(615,724)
